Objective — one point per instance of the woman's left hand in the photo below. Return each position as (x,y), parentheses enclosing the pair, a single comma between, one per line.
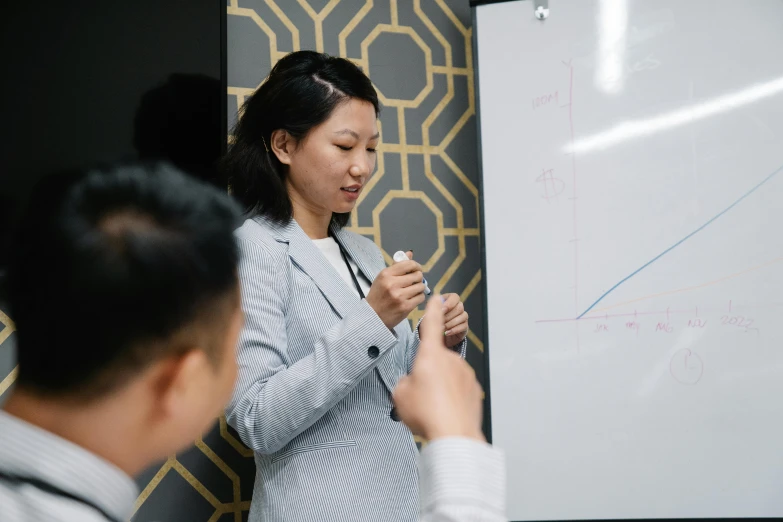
(455,318)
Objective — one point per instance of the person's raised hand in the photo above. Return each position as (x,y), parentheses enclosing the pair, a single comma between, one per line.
(441,397)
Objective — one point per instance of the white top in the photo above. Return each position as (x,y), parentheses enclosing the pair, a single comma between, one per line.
(329,247)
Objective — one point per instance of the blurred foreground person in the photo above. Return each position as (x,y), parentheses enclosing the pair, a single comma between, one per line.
(124,291)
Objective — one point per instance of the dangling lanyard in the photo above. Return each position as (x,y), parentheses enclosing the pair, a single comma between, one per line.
(353,276)
(54,490)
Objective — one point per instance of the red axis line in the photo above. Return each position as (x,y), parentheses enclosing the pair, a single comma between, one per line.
(635,313)
(608,316)
(573,173)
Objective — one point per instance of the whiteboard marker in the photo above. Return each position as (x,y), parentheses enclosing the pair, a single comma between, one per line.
(402,256)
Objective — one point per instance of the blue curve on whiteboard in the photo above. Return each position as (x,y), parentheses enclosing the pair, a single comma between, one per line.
(683,240)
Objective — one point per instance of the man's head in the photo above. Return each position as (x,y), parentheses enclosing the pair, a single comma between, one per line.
(123,288)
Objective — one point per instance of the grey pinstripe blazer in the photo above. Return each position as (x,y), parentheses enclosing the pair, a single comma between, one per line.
(313,397)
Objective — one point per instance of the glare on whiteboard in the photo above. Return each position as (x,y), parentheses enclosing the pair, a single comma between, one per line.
(637,128)
(612,29)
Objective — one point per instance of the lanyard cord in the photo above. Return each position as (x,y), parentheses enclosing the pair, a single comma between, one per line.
(353,276)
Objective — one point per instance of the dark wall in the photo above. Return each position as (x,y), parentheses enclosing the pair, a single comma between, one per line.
(91,81)
(87,81)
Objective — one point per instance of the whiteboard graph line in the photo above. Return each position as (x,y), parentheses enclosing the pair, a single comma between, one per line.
(689,288)
(683,240)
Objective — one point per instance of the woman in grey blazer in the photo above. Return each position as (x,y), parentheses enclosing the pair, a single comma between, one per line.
(326,337)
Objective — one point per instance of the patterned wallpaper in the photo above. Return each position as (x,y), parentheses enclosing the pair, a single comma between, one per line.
(423,196)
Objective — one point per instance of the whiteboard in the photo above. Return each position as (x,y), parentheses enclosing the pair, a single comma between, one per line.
(632,184)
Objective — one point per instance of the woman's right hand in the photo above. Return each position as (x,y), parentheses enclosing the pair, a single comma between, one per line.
(396,291)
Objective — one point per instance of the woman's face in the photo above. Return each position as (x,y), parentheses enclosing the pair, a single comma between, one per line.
(329,167)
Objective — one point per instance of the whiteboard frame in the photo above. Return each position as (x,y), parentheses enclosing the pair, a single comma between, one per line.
(474,4)
(486,381)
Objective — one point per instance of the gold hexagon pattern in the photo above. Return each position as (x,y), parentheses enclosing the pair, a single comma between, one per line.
(427,153)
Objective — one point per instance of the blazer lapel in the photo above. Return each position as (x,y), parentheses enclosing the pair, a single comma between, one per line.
(363,259)
(309,258)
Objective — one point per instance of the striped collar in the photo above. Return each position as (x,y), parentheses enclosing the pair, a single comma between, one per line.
(33,452)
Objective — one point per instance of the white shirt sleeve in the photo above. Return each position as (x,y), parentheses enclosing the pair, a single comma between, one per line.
(462,480)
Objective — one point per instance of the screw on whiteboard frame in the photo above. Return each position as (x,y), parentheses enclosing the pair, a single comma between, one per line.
(541,9)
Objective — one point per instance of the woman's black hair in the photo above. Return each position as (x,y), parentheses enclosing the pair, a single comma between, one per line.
(300,93)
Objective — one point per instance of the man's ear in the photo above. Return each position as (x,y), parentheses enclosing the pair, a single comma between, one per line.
(282,145)
(177,380)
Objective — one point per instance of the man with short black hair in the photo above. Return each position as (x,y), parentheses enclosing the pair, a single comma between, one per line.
(125,296)
(124,293)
